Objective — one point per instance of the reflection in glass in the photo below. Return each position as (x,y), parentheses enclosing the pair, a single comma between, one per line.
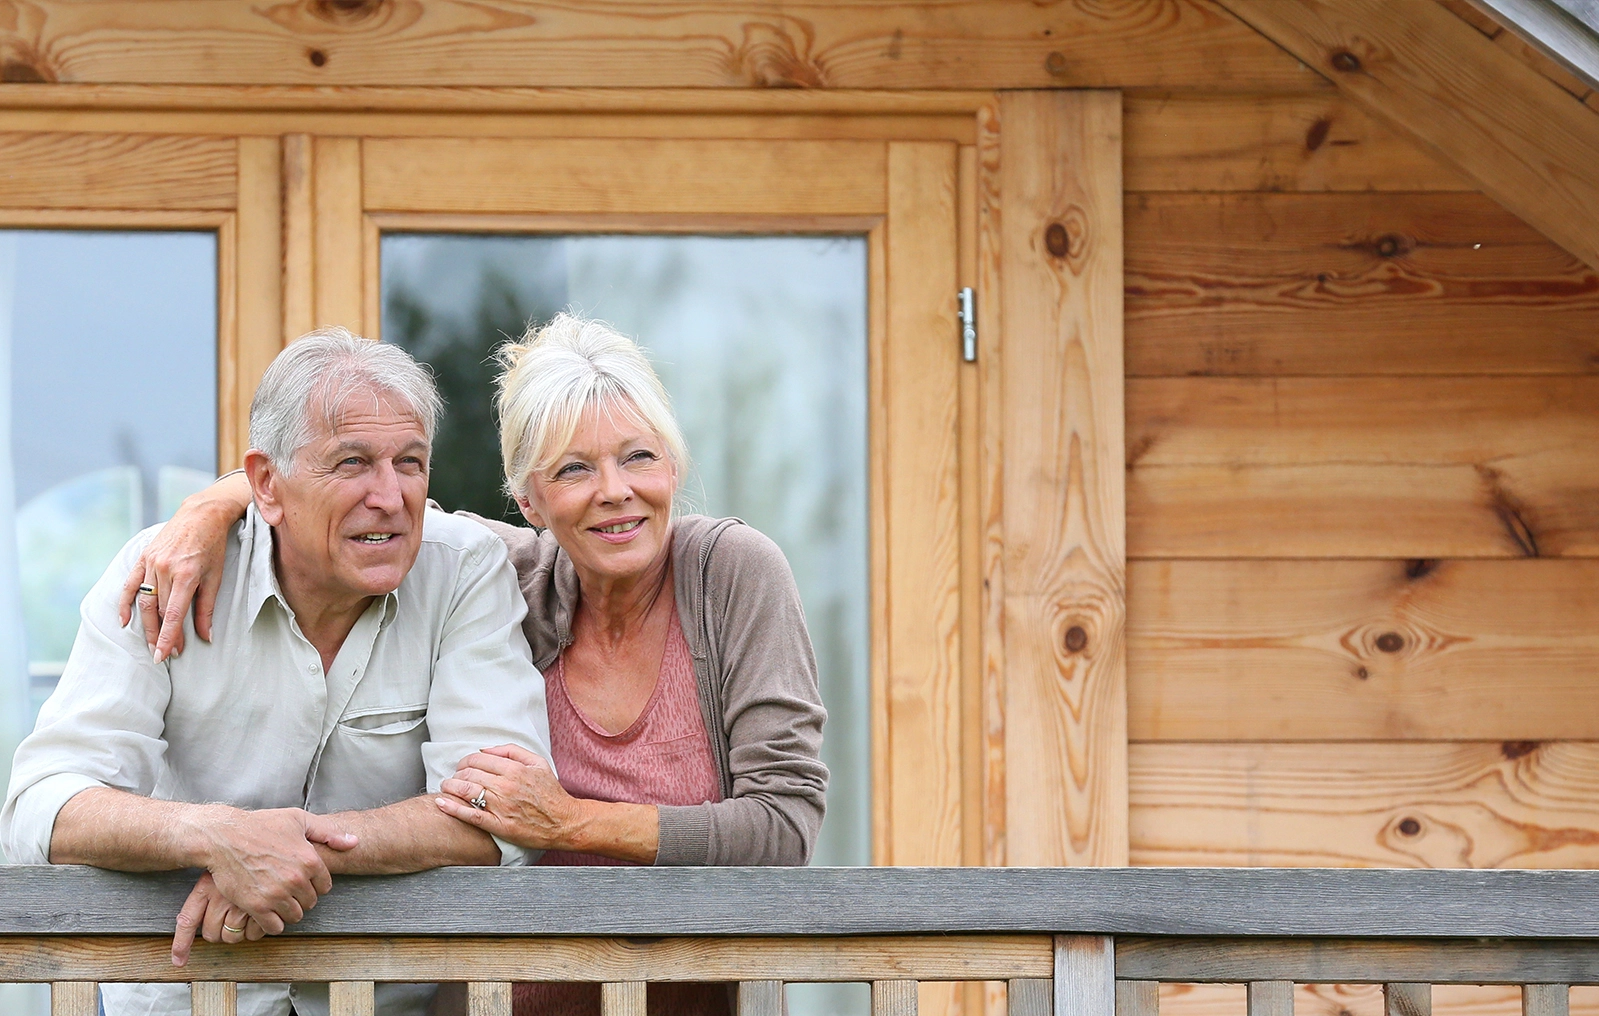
(761,342)
(108,362)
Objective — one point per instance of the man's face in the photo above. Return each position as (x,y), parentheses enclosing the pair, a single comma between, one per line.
(349,519)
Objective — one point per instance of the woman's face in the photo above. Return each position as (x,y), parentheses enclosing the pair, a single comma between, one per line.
(607,499)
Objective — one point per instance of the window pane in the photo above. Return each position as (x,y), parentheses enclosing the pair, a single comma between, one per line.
(761,342)
(108,359)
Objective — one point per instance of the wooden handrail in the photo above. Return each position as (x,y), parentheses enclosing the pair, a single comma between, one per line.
(1069,942)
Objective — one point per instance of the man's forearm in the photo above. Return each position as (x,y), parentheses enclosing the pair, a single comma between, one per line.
(410,835)
(115,829)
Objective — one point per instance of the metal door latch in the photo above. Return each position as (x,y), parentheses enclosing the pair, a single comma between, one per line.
(968,316)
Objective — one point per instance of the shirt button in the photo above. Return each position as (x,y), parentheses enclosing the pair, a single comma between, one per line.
(310,668)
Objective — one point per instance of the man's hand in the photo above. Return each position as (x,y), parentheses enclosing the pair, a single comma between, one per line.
(214,917)
(265,863)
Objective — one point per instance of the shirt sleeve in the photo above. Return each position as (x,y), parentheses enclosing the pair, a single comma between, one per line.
(102,727)
(485,689)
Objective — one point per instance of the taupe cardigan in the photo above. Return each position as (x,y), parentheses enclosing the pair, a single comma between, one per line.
(756,672)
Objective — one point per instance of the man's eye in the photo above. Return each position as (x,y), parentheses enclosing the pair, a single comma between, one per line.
(353,460)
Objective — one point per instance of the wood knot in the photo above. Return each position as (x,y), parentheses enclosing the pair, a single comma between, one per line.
(1390,642)
(1345,61)
(1362,673)
(1409,827)
(1056,240)
(317,58)
(1392,245)
(1420,568)
(345,12)
(20,72)
(1513,750)
(1317,135)
(1076,639)
(1055,63)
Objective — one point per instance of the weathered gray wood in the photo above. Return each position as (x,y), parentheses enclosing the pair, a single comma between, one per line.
(74,998)
(760,998)
(1085,975)
(1030,996)
(1271,998)
(214,998)
(1137,998)
(488,998)
(1545,1000)
(893,998)
(351,998)
(1407,998)
(1356,961)
(1382,903)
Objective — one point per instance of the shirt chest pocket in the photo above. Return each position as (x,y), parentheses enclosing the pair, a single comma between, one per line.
(372,758)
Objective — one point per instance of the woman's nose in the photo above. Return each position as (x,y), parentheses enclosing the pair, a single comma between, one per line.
(614,487)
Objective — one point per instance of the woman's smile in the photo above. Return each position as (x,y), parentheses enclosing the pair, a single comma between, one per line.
(619,530)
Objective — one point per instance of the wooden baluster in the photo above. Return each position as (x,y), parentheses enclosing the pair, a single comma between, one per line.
(214,998)
(1404,998)
(351,998)
(623,998)
(74,998)
(1271,998)
(1085,975)
(894,998)
(1030,996)
(760,998)
(1140,998)
(1545,1000)
(488,998)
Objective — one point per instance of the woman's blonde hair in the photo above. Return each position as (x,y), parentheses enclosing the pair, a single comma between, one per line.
(558,372)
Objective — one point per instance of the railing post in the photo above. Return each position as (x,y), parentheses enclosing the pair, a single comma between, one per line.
(760,998)
(1271,998)
(622,998)
(1407,999)
(1085,975)
(214,998)
(894,998)
(488,998)
(1138,998)
(351,998)
(1545,1000)
(74,998)
(1030,996)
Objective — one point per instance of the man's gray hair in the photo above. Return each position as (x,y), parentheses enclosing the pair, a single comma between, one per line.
(309,383)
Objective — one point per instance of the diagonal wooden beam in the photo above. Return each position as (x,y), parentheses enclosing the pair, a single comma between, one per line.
(1527,143)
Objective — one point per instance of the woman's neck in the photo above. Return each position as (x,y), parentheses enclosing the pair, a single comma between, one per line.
(616,608)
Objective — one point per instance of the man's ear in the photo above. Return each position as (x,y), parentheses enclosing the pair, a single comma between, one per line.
(264,482)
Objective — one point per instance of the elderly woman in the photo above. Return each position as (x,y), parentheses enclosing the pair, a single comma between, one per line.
(685,720)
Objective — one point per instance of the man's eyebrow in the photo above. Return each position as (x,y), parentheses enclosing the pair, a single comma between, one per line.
(366,449)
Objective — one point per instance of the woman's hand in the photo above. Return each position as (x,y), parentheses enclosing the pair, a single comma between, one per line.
(184,564)
(526,805)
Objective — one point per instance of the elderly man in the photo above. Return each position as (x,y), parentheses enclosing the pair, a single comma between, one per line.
(362,644)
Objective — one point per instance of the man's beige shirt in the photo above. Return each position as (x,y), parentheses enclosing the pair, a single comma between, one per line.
(430,673)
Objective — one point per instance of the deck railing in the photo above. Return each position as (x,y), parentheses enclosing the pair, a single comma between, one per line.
(1070,942)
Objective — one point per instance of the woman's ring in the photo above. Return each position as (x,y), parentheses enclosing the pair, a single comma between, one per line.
(145,589)
(481,801)
(228,927)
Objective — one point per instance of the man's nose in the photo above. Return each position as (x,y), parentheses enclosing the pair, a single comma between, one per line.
(385,494)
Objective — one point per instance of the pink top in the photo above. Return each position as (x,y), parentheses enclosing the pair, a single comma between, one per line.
(663,758)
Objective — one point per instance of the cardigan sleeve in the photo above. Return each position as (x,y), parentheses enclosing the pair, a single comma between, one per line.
(772,715)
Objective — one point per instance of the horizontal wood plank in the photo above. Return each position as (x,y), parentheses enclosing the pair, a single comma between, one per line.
(1441,805)
(1363,467)
(1350,284)
(1363,999)
(964,44)
(1344,960)
(625,176)
(1363,650)
(299,958)
(123,171)
(1312,141)
(828,902)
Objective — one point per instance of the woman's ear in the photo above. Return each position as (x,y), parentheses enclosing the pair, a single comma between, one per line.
(534,517)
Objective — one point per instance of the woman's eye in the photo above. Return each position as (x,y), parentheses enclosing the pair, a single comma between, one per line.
(570,469)
(642,456)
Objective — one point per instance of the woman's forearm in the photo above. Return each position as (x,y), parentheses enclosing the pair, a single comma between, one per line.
(627,832)
(229,497)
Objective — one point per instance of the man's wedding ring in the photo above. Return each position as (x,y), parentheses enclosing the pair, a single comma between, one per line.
(481,801)
(146,589)
(228,927)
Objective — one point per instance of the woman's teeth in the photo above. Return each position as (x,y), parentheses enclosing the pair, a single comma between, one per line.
(622,527)
(375,537)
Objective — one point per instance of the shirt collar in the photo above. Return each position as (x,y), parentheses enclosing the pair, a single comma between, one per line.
(261,574)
